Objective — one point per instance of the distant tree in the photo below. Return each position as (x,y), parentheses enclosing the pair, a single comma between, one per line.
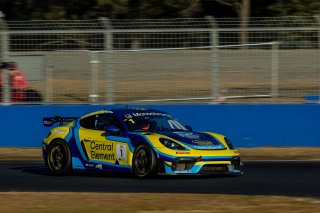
(156,8)
(242,8)
(78,9)
(111,8)
(236,5)
(32,9)
(115,9)
(191,8)
(295,8)
(139,8)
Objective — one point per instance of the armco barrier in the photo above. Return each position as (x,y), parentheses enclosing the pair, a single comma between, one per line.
(246,125)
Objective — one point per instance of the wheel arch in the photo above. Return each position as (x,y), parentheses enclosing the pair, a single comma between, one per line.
(138,140)
(55,140)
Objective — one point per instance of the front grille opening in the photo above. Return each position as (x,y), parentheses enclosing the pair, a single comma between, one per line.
(182,164)
(214,168)
(236,163)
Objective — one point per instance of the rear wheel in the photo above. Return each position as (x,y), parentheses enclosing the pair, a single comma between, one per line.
(144,162)
(59,158)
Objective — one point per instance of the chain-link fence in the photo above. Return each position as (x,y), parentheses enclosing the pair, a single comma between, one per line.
(174,60)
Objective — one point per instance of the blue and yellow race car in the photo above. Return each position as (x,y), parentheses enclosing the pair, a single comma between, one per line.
(144,142)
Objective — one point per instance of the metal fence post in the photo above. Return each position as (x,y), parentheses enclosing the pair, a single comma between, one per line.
(275,69)
(94,76)
(49,77)
(214,59)
(108,47)
(4,57)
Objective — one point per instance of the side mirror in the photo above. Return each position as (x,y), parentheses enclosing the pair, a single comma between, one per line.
(188,127)
(112,129)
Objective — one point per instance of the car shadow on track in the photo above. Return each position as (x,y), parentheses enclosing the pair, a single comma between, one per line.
(38,170)
(43,171)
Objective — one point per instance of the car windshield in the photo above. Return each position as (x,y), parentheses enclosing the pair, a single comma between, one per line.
(152,121)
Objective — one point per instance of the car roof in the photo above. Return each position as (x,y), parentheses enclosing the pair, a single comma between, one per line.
(122,111)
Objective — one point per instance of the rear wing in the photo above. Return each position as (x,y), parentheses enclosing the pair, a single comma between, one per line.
(49,121)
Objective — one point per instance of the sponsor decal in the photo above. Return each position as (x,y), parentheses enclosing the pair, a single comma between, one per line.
(189,135)
(59,131)
(47,122)
(121,152)
(102,151)
(183,153)
(101,146)
(203,143)
(99,166)
(144,114)
(101,156)
(208,147)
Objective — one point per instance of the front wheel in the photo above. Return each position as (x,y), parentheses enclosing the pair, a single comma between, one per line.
(59,158)
(144,163)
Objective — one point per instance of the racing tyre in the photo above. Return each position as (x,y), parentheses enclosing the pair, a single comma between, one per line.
(144,163)
(59,158)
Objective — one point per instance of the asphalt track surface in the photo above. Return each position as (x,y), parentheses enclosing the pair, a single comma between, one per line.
(289,178)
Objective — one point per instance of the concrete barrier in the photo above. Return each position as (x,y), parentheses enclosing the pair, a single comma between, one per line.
(246,125)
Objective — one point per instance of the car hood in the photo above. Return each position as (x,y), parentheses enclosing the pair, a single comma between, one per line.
(195,140)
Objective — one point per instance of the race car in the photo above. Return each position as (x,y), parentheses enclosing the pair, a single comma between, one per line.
(144,142)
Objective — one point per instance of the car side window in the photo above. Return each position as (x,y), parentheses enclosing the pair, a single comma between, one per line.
(99,122)
(88,122)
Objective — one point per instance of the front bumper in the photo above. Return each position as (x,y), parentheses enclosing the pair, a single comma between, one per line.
(191,165)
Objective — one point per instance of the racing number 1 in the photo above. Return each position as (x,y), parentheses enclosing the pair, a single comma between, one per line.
(121,152)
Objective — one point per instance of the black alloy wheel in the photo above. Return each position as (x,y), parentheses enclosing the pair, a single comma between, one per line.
(59,158)
(144,162)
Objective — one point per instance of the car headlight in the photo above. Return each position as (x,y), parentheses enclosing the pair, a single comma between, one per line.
(171,144)
(229,143)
